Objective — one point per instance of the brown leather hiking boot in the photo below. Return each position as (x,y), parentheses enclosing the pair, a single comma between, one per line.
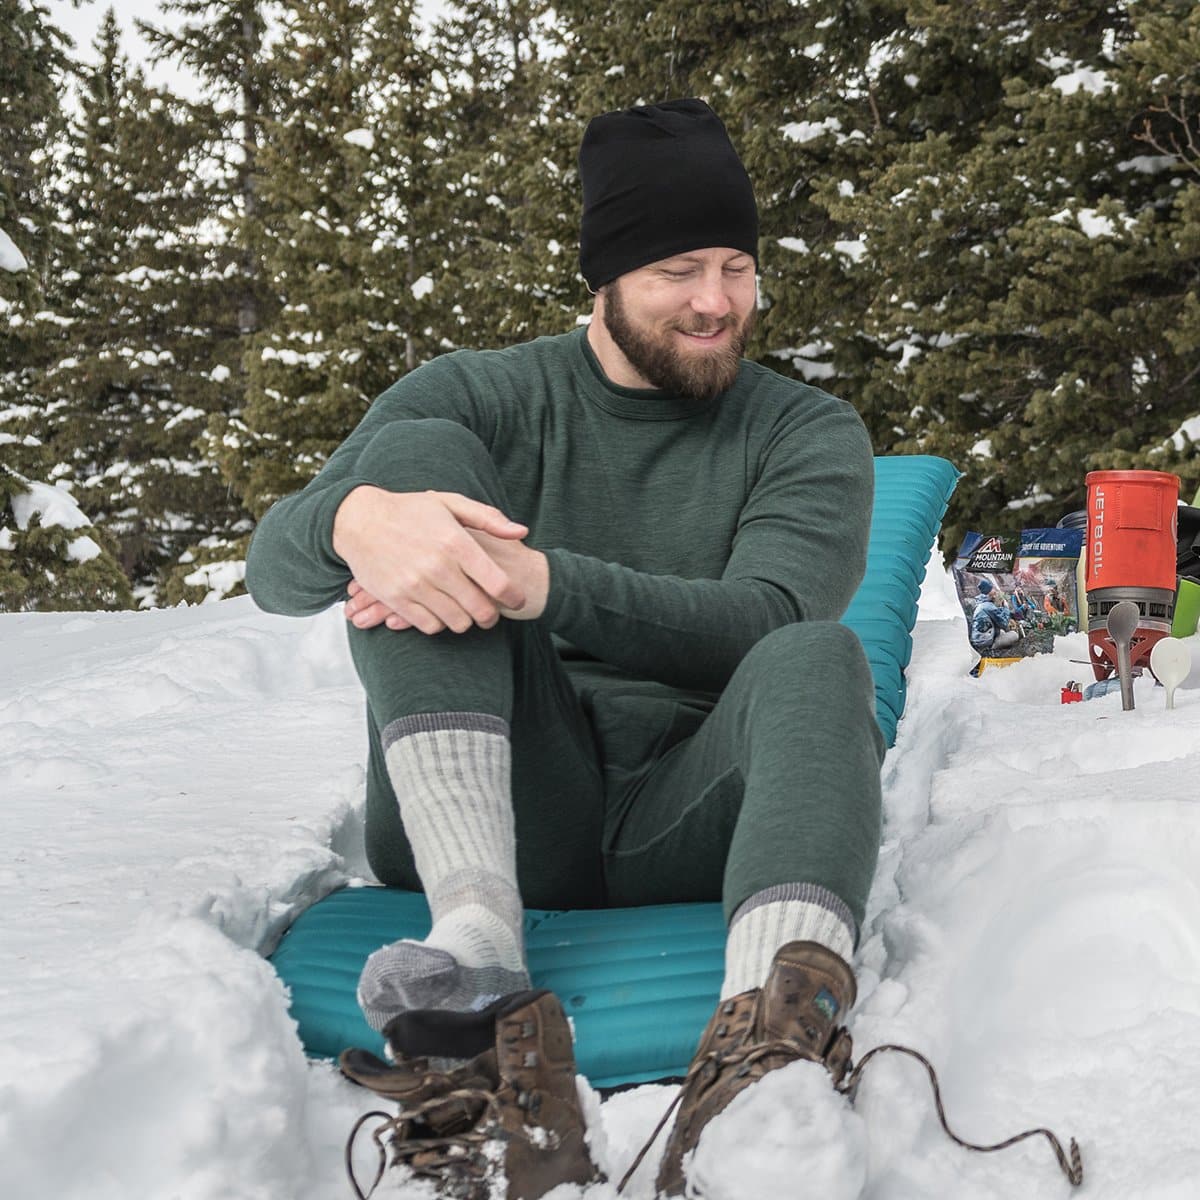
(511,1110)
(792,1016)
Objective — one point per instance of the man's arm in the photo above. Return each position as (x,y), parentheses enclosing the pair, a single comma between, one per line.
(799,554)
(292,566)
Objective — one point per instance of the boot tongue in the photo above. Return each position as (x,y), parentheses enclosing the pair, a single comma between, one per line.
(442,1033)
(805,999)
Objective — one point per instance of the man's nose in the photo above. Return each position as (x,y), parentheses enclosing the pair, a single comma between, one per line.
(711,297)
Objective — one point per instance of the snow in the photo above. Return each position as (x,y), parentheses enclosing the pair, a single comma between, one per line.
(805,359)
(53,504)
(422,287)
(178,784)
(1190,429)
(1030,501)
(361,137)
(83,549)
(219,577)
(1148,164)
(1092,223)
(797,245)
(291,358)
(853,249)
(11,259)
(1083,79)
(191,413)
(801,132)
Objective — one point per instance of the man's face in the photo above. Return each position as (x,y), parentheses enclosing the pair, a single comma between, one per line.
(683,322)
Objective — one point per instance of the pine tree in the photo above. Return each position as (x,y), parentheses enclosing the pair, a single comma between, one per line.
(990,275)
(353,228)
(1043,283)
(221,43)
(132,385)
(33,66)
(43,563)
(510,139)
(1161,73)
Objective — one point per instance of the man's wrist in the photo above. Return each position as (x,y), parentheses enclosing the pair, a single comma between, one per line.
(541,588)
(345,517)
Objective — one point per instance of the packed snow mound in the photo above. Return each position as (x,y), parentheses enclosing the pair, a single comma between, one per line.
(179,783)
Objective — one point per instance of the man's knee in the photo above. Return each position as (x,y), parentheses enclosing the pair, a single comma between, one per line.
(818,669)
(411,456)
(806,647)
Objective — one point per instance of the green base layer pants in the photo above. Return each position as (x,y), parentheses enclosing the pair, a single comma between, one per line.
(648,797)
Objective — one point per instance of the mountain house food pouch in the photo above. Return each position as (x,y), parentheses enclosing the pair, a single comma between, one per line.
(1017,594)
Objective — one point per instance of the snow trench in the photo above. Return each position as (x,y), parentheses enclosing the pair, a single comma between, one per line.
(177,785)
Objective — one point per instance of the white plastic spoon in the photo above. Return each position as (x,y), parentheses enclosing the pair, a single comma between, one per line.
(1122,623)
(1171,662)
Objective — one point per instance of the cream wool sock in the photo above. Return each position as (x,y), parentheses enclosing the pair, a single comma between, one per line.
(793,912)
(451,774)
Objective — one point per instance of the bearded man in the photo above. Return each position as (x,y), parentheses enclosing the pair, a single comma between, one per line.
(593,587)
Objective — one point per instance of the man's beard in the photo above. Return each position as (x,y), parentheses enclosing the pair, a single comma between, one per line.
(657,357)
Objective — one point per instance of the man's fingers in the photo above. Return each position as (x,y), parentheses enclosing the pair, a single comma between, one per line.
(478,565)
(419,617)
(458,604)
(369,616)
(451,601)
(476,515)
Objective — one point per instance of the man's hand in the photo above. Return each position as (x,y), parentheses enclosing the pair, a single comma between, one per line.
(528,567)
(366,611)
(417,564)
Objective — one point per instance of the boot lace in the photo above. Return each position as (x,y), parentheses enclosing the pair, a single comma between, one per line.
(1071,1161)
(745,1056)
(455,1158)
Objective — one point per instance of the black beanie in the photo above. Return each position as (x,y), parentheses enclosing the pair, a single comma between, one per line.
(660,180)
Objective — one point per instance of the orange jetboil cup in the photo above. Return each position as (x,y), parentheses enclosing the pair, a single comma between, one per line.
(1131,535)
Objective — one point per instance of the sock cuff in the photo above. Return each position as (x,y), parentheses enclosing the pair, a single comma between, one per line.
(435,722)
(807,893)
(475,885)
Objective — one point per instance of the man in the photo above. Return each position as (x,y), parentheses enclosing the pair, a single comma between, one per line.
(991,622)
(1052,602)
(1020,603)
(594,583)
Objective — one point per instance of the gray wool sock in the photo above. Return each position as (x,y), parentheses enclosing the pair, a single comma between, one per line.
(451,773)
(790,912)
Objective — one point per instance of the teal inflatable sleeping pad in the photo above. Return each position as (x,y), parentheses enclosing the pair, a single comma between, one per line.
(638,983)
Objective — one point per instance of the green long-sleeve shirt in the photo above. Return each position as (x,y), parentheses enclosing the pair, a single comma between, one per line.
(677,533)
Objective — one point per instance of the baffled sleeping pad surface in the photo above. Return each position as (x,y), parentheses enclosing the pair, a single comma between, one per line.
(638,983)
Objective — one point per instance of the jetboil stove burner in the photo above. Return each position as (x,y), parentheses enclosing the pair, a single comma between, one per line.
(1131,533)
